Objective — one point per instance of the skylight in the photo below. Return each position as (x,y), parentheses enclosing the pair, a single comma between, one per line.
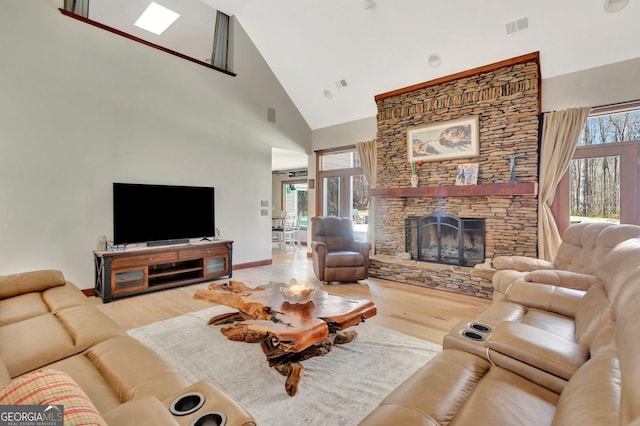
(156,18)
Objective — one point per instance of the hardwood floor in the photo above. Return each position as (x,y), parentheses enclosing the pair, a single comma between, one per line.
(421,312)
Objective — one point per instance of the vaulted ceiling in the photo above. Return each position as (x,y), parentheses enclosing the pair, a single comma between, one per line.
(333,56)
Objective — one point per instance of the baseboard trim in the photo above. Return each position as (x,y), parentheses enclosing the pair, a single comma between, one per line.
(252,264)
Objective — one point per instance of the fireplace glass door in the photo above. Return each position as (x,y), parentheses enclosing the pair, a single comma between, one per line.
(444,238)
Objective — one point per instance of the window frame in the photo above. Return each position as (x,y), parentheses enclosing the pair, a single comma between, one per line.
(629,153)
(344,174)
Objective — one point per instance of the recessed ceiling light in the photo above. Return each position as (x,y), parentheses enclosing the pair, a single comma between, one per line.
(368,4)
(156,18)
(613,6)
(434,60)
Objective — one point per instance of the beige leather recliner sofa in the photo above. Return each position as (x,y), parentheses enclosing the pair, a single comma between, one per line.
(573,362)
(582,250)
(47,323)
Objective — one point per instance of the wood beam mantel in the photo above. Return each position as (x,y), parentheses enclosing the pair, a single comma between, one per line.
(497,189)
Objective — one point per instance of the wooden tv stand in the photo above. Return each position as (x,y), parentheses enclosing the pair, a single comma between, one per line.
(134,271)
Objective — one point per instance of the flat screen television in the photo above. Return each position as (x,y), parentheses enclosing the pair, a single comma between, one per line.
(161,214)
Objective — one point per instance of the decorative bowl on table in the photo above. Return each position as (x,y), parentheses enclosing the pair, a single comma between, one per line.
(298,291)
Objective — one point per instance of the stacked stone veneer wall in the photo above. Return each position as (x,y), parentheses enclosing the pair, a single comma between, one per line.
(506,102)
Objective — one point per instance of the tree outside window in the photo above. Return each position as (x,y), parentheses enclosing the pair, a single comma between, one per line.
(603,180)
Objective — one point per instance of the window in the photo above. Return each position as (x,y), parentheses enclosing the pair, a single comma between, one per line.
(339,160)
(603,179)
(343,189)
(295,200)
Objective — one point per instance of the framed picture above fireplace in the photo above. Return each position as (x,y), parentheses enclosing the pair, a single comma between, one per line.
(444,141)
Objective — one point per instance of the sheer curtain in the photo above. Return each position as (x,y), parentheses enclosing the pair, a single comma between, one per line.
(560,132)
(368,153)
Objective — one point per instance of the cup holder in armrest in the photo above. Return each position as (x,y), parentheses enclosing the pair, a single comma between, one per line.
(210,418)
(482,328)
(471,335)
(186,404)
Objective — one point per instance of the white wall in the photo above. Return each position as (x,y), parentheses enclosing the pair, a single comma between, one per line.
(81,108)
(613,83)
(345,134)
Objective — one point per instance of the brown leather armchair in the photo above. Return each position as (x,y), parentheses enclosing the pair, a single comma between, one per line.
(336,255)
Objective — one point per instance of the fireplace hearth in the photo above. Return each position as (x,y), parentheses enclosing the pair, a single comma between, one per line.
(444,238)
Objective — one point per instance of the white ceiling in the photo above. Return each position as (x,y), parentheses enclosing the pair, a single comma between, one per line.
(312,44)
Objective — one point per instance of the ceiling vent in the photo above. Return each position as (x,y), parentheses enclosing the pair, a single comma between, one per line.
(341,83)
(298,173)
(517,25)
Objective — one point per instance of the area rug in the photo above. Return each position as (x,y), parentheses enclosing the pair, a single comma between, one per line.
(340,388)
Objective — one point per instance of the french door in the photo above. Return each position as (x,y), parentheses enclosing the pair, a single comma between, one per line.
(343,190)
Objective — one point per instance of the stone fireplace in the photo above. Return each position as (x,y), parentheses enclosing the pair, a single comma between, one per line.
(506,99)
(446,239)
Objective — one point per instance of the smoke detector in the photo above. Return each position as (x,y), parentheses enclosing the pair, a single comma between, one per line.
(613,6)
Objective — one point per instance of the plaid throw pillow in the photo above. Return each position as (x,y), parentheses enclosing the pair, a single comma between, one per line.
(51,387)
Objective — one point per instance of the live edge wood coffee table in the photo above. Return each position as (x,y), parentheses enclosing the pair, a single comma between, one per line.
(288,333)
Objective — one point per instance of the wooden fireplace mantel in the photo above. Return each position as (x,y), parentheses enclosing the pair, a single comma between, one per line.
(522,188)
